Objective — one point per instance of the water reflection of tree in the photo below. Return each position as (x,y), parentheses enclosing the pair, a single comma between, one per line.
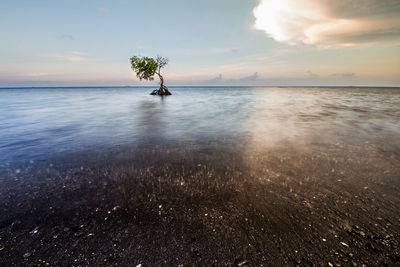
(151,121)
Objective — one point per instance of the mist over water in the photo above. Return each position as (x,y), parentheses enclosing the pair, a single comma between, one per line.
(37,123)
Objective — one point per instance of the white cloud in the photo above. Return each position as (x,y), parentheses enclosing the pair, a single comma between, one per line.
(73,56)
(326,23)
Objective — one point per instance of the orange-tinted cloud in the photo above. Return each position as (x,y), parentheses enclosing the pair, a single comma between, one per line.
(325,23)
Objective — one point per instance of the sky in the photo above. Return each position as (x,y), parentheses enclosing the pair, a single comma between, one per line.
(208,42)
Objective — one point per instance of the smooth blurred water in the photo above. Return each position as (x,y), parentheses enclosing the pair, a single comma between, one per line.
(36,123)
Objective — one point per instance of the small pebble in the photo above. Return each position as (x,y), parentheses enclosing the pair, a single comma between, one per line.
(34,231)
(27,255)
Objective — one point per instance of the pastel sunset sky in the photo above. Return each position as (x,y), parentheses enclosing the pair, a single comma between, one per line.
(208,42)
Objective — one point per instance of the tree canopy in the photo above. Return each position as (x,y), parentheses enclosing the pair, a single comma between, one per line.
(146,67)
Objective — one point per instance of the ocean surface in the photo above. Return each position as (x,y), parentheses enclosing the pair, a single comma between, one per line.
(38,123)
(261,176)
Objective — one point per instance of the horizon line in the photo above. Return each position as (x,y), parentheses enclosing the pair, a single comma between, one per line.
(179,86)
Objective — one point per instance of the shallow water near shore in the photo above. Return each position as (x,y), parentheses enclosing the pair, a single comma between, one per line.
(209,175)
(38,122)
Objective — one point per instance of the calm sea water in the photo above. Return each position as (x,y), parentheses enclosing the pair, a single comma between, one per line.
(37,123)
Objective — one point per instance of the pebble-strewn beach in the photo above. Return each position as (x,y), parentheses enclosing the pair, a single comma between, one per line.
(290,177)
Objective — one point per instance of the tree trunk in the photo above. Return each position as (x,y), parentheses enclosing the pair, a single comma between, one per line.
(161,84)
(163,90)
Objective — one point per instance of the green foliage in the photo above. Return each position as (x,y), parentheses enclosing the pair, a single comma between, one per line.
(144,67)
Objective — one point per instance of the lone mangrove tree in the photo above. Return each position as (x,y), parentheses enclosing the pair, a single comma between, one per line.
(147,67)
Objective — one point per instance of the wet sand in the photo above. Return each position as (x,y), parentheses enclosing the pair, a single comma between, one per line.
(188,204)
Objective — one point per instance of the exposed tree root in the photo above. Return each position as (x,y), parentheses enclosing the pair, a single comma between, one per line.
(161,91)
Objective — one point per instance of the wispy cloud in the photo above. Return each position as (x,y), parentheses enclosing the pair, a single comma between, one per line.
(244,80)
(103,10)
(326,23)
(67,36)
(37,74)
(250,78)
(215,80)
(208,51)
(73,56)
(311,74)
(344,74)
